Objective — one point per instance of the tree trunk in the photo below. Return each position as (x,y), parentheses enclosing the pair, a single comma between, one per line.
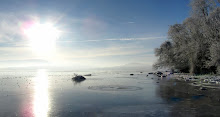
(218,70)
(192,67)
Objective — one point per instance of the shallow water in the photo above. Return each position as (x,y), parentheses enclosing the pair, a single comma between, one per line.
(105,93)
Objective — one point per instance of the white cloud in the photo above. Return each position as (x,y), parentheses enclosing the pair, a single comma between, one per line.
(9,28)
(120,39)
(18,53)
(113,55)
(113,50)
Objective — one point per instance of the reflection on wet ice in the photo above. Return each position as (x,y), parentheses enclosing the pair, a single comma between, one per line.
(188,100)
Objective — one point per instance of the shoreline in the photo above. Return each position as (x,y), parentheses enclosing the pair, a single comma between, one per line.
(203,81)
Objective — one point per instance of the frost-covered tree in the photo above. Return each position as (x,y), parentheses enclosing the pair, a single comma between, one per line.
(165,54)
(202,8)
(213,32)
(195,42)
(179,38)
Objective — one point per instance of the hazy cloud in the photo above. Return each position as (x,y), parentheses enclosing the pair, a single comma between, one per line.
(121,39)
(15,51)
(25,61)
(9,28)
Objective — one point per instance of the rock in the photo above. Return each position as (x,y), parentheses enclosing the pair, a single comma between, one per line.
(212,82)
(150,73)
(88,75)
(203,88)
(79,78)
(131,74)
(187,80)
(205,80)
(159,73)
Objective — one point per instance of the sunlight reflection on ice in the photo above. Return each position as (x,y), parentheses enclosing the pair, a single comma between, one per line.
(41,96)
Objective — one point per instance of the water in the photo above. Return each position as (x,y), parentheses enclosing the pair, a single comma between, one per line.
(106,93)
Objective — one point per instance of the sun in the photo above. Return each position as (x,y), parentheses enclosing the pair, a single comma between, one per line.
(42,37)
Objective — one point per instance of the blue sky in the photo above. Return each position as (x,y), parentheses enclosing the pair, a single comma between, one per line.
(93,33)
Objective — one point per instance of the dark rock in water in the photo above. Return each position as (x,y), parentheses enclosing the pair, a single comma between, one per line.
(141,72)
(203,88)
(212,82)
(79,78)
(151,73)
(187,80)
(159,73)
(88,75)
(146,75)
(131,74)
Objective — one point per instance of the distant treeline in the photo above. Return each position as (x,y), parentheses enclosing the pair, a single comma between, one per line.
(194,45)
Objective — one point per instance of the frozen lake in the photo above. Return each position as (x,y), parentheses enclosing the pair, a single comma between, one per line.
(105,93)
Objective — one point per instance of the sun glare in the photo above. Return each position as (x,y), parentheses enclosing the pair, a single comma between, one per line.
(42,37)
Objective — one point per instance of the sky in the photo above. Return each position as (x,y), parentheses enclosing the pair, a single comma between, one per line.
(85,33)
